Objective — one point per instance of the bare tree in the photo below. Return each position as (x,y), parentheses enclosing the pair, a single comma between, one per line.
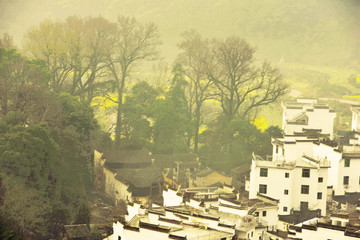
(6,41)
(48,42)
(195,58)
(134,42)
(74,51)
(241,86)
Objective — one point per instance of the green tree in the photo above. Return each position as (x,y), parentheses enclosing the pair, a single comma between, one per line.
(172,118)
(11,67)
(25,210)
(234,143)
(137,116)
(83,214)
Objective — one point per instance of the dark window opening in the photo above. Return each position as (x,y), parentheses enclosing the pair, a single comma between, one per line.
(306,173)
(319,195)
(347,162)
(263,172)
(304,189)
(262,188)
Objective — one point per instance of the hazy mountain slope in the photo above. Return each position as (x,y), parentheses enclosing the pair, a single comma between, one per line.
(322,32)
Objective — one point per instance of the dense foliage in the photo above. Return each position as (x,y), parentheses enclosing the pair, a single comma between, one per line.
(45,144)
(47,124)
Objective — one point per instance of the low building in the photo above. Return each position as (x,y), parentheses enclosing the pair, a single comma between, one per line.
(297,218)
(307,114)
(176,167)
(129,176)
(207,177)
(355,120)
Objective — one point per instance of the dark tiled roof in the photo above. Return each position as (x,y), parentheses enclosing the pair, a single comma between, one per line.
(351,155)
(299,216)
(203,172)
(169,160)
(126,156)
(154,227)
(140,178)
(351,198)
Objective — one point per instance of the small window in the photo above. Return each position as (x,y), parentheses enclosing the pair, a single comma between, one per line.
(263,172)
(286,192)
(256,214)
(252,233)
(263,188)
(320,179)
(264,213)
(306,173)
(277,149)
(304,189)
(119,238)
(284,209)
(304,206)
(283,151)
(319,195)
(346,180)
(347,162)
(287,175)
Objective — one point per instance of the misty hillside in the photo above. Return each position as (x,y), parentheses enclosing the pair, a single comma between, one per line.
(317,32)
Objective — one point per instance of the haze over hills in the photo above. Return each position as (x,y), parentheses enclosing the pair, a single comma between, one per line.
(310,32)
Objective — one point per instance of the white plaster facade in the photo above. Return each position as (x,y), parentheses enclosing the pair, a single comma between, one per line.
(294,184)
(291,147)
(344,171)
(355,122)
(115,188)
(307,114)
(324,233)
(171,198)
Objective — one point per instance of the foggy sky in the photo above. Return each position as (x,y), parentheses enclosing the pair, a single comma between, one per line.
(267,24)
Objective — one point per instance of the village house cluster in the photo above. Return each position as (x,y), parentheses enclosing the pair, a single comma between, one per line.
(309,188)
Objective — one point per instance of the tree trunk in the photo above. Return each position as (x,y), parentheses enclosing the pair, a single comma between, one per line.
(197,126)
(121,88)
(118,120)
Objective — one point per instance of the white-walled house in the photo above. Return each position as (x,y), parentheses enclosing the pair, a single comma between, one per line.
(307,114)
(228,219)
(171,197)
(344,226)
(355,122)
(298,185)
(292,147)
(345,166)
(344,161)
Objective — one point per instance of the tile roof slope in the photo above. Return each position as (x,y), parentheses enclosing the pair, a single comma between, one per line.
(203,172)
(169,160)
(299,216)
(126,156)
(143,177)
